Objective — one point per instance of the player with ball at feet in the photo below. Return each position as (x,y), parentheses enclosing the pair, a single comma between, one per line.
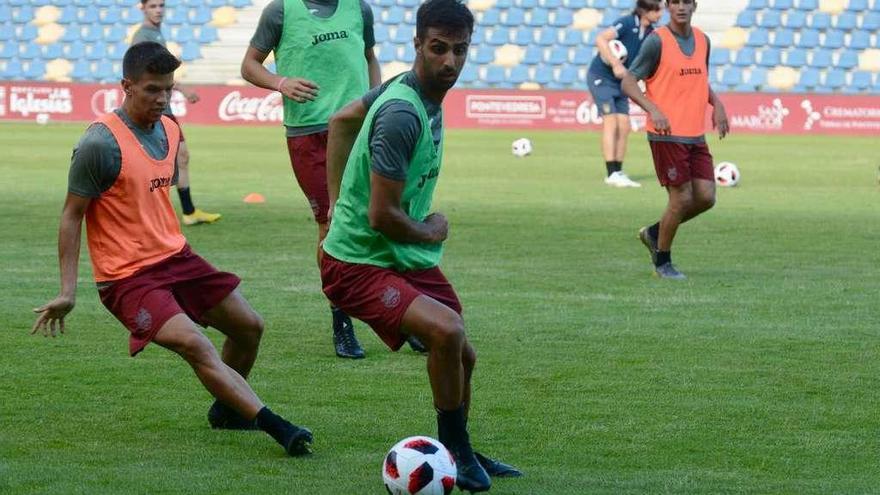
(674,63)
(382,253)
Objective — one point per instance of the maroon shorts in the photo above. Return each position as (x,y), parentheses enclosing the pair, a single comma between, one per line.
(182,283)
(172,117)
(678,163)
(380,296)
(308,157)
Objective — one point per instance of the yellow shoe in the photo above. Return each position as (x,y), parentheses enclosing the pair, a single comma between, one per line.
(199,216)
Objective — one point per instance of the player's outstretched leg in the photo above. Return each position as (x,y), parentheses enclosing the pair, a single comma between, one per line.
(181,335)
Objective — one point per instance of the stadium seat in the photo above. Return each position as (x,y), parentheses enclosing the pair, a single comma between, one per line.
(846,21)
(5,13)
(820,20)
(394,16)
(795,19)
(608,18)
(572,37)
(201,15)
(543,75)
(491,17)
(484,54)
(548,36)
(821,59)
(183,34)
(757,77)
(558,55)
(808,5)
(515,17)
(111,17)
(834,39)
(809,78)
(783,38)
(13,70)
(408,54)
(861,80)
(104,71)
(758,38)
(116,51)
(835,78)
(28,32)
(534,55)
(53,51)
(29,51)
(745,57)
(859,40)
(527,4)
(403,34)
(499,36)
(387,52)
(518,74)
(770,57)
(583,55)
(575,4)
(96,50)
(847,59)
(809,38)
(34,70)
(719,57)
(191,51)
(732,76)
(601,4)
(495,75)
(770,19)
(783,4)
(746,19)
(87,16)
(871,21)
(75,50)
(550,4)
(523,37)
(539,18)
(468,74)
(796,57)
(568,75)
(757,4)
(858,5)
(23,15)
(562,18)
(8,49)
(94,32)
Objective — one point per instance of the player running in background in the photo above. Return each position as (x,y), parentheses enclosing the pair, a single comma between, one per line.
(604,82)
(324,58)
(147,275)
(382,253)
(151,30)
(674,63)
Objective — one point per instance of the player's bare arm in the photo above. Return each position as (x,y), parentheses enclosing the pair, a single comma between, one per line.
(719,115)
(602,41)
(253,71)
(343,128)
(50,316)
(630,88)
(373,68)
(387,217)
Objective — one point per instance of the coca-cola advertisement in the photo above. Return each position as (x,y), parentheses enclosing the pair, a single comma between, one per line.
(463,108)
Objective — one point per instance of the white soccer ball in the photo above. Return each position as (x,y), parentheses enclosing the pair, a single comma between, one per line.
(419,466)
(726,174)
(618,49)
(522,147)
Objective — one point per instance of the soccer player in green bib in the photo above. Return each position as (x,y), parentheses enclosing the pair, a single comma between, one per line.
(324,58)
(381,256)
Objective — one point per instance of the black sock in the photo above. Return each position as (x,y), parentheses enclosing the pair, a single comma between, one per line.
(339,317)
(663,257)
(452,428)
(613,166)
(186,201)
(654,230)
(273,424)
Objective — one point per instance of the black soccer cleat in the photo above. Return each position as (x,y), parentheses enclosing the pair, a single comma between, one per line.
(223,417)
(346,344)
(497,469)
(471,475)
(650,242)
(668,271)
(298,441)
(416,344)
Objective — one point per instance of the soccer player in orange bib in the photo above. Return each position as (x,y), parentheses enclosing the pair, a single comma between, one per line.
(147,275)
(674,63)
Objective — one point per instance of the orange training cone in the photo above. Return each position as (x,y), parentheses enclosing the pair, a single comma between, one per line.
(254,198)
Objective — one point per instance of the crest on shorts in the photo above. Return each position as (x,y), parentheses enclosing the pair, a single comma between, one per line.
(672,173)
(391,297)
(143,320)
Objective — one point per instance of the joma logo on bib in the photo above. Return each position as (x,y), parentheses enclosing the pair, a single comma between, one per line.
(320,38)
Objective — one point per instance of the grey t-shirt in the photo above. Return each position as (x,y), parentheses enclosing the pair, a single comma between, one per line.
(268,36)
(645,65)
(396,129)
(148,33)
(97,158)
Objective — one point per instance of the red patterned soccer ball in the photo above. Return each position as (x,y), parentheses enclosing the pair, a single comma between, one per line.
(419,466)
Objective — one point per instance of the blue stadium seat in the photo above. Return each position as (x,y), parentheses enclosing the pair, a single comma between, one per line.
(104,71)
(133,14)
(208,34)
(572,37)
(5,13)
(94,32)
(504,4)
(201,15)
(478,37)
(117,50)
(745,57)
(23,15)
(861,80)
(568,75)
(858,5)
(518,74)
(757,77)
(499,36)
(859,40)
(111,17)
(387,52)
(13,69)
(548,36)
(408,54)
(28,32)
(35,69)
(871,21)
(53,51)
(240,4)
(558,55)
(848,59)
(808,5)
(732,76)
(490,17)
(783,38)
(608,18)
(795,19)
(495,75)
(190,51)
(543,74)
(380,33)
(87,16)
(515,17)
(746,19)
(29,51)
(809,78)
(770,57)
(834,39)
(81,70)
(96,50)
(757,4)
(468,74)
(846,21)
(796,57)
(770,19)
(9,50)
(583,55)
(835,78)
(576,4)
(526,4)
(7,32)
(539,18)
(105,3)
(184,34)
(821,58)
(820,20)
(394,16)
(783,4)
(484,54)
(534,55)
(76,50)
(601,4)
(809,38)
(403,34)
(563,18)
(550,4)
(523,36)
(758,38)
(68,15)
(719,56)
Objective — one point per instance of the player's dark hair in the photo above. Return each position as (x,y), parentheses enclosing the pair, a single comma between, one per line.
(450,16)
(643,6)
(148,56)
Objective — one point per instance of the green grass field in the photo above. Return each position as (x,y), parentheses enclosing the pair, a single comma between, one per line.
(760,374)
